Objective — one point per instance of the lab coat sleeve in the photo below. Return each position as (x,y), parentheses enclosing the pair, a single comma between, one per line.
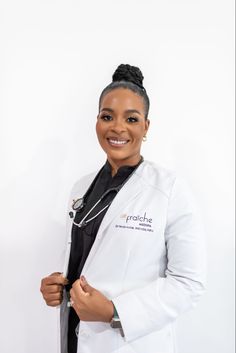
(152,307)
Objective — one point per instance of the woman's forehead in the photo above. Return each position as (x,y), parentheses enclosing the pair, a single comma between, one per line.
(122,98)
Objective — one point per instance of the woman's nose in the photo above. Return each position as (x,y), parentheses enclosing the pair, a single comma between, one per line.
(118,126)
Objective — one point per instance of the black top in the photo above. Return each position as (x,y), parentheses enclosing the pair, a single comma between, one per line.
(83,238)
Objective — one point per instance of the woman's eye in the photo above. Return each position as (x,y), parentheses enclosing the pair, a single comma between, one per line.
(132,119)
(106,117)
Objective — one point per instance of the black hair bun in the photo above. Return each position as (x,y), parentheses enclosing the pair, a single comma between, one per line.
(126,72)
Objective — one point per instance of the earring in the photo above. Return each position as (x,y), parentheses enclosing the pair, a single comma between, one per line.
(144,138)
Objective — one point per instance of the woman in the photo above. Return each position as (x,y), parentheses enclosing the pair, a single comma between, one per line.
(135,256)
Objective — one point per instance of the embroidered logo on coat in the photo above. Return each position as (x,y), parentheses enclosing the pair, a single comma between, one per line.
(136,222)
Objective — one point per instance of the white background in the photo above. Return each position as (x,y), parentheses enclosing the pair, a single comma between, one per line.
(56,57)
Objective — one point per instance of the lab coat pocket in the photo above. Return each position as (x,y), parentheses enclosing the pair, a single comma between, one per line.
(160,341)
(97,337)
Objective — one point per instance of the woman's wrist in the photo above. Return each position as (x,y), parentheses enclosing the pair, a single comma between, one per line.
(110,311)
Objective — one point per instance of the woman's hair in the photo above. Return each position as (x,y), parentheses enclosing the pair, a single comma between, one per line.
(129,77)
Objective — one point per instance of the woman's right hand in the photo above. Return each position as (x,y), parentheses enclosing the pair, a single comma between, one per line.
(52,288)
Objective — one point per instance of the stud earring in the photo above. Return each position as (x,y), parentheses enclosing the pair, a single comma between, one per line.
(144,138)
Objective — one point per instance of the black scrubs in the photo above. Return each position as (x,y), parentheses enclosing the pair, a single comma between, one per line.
(83,238)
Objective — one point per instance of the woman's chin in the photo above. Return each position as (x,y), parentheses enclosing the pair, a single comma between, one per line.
(118,155)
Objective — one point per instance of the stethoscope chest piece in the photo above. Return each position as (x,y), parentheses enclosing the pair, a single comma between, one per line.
(78,204)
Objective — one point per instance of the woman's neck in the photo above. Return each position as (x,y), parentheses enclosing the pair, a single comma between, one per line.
(115,165)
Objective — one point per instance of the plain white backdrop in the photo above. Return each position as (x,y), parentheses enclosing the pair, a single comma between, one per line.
(56,57)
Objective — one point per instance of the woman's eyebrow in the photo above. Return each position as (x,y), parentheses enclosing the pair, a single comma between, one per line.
(107,109)
(126,111)
(133,111)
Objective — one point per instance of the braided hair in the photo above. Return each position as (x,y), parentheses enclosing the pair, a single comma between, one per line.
(128,77)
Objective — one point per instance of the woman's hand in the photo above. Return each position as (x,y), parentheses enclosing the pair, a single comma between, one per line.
(52,288)
(89,303)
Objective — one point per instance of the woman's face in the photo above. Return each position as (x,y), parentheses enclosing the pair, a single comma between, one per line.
(121,125)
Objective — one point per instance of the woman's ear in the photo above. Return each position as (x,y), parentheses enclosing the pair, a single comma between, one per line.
(147,124)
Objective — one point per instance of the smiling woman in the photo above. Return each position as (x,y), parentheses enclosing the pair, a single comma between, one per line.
(121,126)
(135,256)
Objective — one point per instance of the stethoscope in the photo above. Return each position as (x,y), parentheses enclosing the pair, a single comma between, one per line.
(79,204)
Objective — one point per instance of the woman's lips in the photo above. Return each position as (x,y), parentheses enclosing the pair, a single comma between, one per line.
(115,142)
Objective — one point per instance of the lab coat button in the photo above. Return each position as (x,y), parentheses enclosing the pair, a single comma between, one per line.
(83,334)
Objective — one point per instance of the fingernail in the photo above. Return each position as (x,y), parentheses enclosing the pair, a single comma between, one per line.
(66,281)
(83,279)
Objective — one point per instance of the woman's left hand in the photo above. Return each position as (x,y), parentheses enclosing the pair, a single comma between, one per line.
(89,303)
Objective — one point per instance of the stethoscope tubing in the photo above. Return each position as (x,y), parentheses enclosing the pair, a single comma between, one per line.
(117,189)
(83,222)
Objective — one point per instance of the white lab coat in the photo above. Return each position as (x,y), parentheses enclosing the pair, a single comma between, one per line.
(148,258)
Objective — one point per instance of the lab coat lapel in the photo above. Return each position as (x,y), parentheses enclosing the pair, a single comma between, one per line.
(129,191)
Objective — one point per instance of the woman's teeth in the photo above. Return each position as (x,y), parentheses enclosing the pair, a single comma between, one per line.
(117,142)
